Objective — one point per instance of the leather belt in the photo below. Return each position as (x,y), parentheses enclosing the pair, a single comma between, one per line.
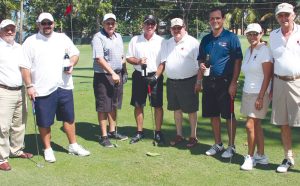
(287,78)
(182,79)
(10,88)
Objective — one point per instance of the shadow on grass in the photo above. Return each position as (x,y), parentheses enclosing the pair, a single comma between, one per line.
(30,145)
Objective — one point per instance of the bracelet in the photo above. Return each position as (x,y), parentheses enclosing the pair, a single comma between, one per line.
(29,86)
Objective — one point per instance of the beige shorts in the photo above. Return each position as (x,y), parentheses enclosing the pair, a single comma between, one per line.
(248,105)
(286,103)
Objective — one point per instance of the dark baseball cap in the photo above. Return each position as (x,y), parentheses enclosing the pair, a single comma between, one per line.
(150,18)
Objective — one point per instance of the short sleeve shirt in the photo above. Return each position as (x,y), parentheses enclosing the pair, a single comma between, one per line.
(181,58)
(10,57)
(286,53)
(140,47)
(223,51)
(44,57)
(109,48)
(252,68)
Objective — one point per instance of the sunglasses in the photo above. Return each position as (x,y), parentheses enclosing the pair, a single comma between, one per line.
(150,23)
(252,34)
(176,28)
(110,23)
(49,23)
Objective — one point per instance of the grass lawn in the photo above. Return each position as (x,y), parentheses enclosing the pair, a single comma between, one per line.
(128,164)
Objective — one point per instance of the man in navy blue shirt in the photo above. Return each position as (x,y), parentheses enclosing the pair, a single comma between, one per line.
(220,51)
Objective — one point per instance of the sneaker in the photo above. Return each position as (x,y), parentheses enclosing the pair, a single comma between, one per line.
(137,138)
(116,135)
(159,137)
(285,165)
(229,152)
(260,159)
(192,142)
(78,150)
(216,148)
(248,163)
(49,155)
(104,141)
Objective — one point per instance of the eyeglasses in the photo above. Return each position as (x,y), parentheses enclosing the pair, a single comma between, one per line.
(110,23)
(177,28)
(150,23)
(8,28)
(252,34)
(48,23)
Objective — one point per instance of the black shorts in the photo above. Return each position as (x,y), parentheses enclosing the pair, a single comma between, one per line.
(216,100)
(140,87)
(181,95)
(107,95)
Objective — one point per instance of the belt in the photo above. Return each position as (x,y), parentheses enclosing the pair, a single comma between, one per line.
(287,78)
(10,88)
(148,74)
(118,71)
(182,79)
(213,78)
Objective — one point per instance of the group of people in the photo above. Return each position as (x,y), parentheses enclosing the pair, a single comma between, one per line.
(211,67)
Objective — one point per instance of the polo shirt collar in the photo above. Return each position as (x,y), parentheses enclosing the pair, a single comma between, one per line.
(41,36)
(152,38)
(183,38)
(106,34)
(4,43)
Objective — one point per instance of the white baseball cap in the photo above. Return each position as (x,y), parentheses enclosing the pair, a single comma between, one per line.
(176,22)
(7,22)
(284,7)
(253,27)
(109,16)
(44,15)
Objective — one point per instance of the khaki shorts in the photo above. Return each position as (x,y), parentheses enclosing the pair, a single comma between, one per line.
(248,105)
(286,103)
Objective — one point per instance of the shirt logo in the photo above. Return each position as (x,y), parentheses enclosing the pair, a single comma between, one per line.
(223,44)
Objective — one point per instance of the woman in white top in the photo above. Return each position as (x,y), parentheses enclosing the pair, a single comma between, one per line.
(257,68)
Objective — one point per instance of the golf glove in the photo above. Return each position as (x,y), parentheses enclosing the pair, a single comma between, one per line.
(151,80)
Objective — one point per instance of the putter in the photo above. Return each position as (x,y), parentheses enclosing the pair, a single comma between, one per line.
(231,117)
(40,165)
(152,116)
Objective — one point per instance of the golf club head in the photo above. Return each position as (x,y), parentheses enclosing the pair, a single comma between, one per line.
(39,165)
(153,143)
(116,145)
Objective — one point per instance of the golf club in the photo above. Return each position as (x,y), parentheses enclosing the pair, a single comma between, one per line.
(36,138)
(231,117)
(152,116)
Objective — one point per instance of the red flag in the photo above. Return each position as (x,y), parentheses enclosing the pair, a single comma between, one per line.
(68,10)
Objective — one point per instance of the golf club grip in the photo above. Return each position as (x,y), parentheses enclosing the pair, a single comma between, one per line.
(33,107)
(231,105)
(149,90)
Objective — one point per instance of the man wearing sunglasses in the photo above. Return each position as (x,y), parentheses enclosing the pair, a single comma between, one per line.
(109,68)
(49,85)
(179,58)
(285,49)
(13,112)
(143,53)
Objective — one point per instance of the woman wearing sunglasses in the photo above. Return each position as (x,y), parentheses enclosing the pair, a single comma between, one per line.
(257,68)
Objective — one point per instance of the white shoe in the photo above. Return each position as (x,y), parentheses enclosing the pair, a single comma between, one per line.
(285,165)
(216,148)
(78,150)
(248,163)
(49,155)
(260,159)
(229,152)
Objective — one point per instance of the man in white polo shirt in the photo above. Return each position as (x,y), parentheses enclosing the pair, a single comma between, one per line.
(143,53)
(179,56)
(49,85)
(285,48)
(12,97)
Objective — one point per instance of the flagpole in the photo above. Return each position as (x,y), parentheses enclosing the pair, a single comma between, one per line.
(71,20)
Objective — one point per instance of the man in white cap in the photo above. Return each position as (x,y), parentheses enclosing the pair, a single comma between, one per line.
(285,49)
(49,85)
(12,97)
(179,58)
(108,55)
(143,53)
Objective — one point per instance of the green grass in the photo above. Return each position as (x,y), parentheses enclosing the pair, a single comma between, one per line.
(128,164)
